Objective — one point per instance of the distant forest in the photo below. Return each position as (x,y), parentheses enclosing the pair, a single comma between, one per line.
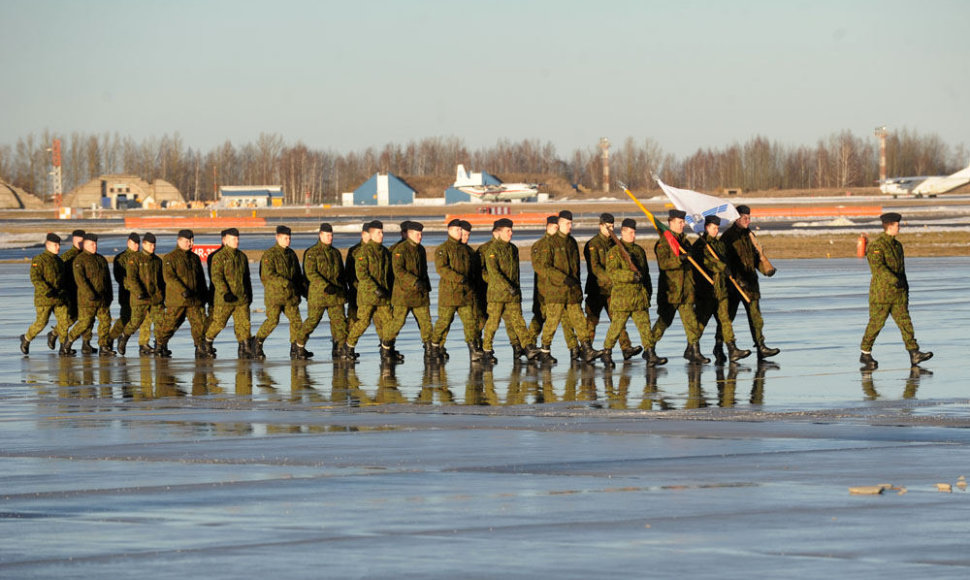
(841,160)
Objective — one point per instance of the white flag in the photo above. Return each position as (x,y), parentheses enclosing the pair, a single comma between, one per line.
(699,205)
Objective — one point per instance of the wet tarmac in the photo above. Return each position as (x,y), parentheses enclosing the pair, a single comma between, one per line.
(115,467)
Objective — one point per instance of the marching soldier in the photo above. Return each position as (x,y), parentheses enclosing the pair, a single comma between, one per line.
(323,269)
(504,294)
(94,293)
(70,287)
(630,291)
(283,285)
(412,286)
(454,261)
(350,274)
(743,259)
(185,295)
(47,274)
(538,247)
(374,280)
(146,286)
(889,293)
(675,292)
(713,299)
(119,268)
(599,285)
(232,294)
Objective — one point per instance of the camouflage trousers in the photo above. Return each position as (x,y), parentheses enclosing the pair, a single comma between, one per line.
(175,316)
(399,314)
(124,299)
(618,320)
(143,317)
(44,315)
(753,308)
(571,315)
(338,321)
(273,311)
(380,314)
(446,314)
(72,318)
(665,317)
(596,304)
(515,327)
(85,322)
(220,317)
(707,307)
(878,312)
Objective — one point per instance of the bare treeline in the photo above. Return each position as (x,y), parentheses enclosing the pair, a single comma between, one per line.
(841,160)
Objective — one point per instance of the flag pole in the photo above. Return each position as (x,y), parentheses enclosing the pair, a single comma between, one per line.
(730,277)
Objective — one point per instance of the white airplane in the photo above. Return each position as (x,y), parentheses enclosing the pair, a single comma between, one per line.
(931,185)
(474,185)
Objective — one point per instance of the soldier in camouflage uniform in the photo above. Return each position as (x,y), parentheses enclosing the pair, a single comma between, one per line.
(504,297)
(599,285)
(743,259)
(323,269)
(232,295)
(630,292)
(119,268)
(375,279)
(47,275)
(454,261)
(538,247)
(283,286)
(889,293)
(350,275)
(185,295)
(675,292)
(713,299)
(146,286)
(70,287)
(94,293)
(412,286)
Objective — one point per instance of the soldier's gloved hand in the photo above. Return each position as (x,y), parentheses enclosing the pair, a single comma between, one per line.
(637,277)
(186,293)
(462,280)
(229,297)
(901,284)
(329,289)
(143,296)
(571,282)
(422,286)
(52,293)
(96,296)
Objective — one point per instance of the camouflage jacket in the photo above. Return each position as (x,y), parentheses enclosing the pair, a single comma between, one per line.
(557,262)
(888,284)
(69,284)
(282,277)
(539,247)
(410,264)
(47,275)
(598,282)
(230,274)
(502,272)
(374,275)
(350,272)
(742,258)
(453,261)
(93,279)
(676,284)
(629,294)
(716,268)
(182,272)
(323,269)
(119,267)
(144,278)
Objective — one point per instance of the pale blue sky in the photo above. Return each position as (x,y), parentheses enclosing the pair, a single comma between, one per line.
(349,74)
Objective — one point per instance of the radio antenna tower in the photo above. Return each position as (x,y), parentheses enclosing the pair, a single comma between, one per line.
(57,186)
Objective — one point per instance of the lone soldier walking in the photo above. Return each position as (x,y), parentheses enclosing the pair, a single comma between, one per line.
(374,280)
(889,293)
(412,286)
(232,294)
(47,275)
(94,294)
(283,285)
(146,285)
(323,269)
(185,295)
(453,261)
(743,259)
(119,268)
(599,284)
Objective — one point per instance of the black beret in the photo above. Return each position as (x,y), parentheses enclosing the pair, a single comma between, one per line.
(134,238)
(149,237)
(711,219)
(53,238)
(415,226)
(629,223)
(376,225)
(455,223)
(187,234)
(566,215)
(676,213)
(325,227)
(502,223)
(553,219)
(743,210)
(467,226)
(891,218)
(90,237)
(230,232)
(77,234)
(405,226)
(283,231)
(365,227)
(607,218)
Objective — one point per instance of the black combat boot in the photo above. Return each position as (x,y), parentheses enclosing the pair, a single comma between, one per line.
(350,355)
(123,343)
(433,353)
(475,355)
(517,352)
(488,357)
(916,357)
(631,352)
(52,340)
(335,350)
(428,351)
(589,353)
(696,355)
(868,363)
(145,350)
(106,351)
(243,352)
(208,350)
(66,349)
(298,352)
(531,352)
(764,351)
(86,347)
(687,352)
(443,352)
(24,344)
(545,357)
(607,358)
(719,357)
(650,355)
(398,356)
(161,350)
(257,349)
(734,353)
(576,353)
(387,354)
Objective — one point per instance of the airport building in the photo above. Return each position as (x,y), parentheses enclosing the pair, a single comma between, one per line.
(123,192)
(387,189)
(250,196)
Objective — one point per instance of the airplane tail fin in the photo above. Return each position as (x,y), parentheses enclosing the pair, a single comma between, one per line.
(462,177)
